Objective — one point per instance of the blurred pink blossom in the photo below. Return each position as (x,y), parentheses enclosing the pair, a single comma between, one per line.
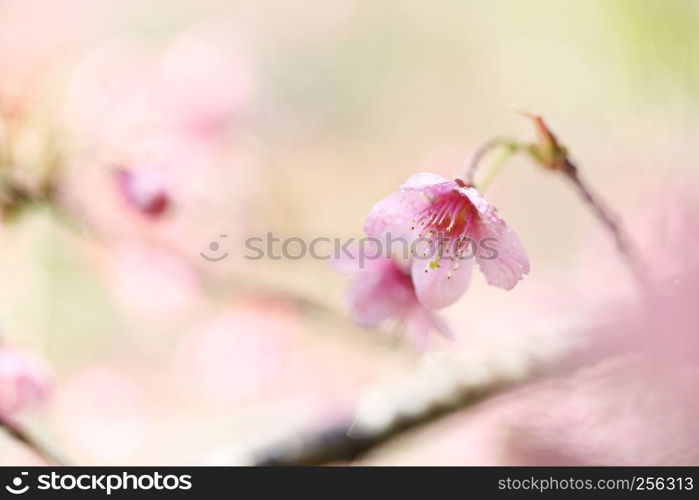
(383,290)
(157,150)
(201,84)
(151,282)
(194,88)
(257,354)
(662,221)
(243,352)
(667,230)
(635,401)
(618,412)
(104,414)
(24,381)
(453,216)
(170,118)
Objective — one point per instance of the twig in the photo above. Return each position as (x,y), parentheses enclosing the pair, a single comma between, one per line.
(552,155)
(549,153)
(341,443)
(15,431)
(622,241)
(416,402)
(252,287)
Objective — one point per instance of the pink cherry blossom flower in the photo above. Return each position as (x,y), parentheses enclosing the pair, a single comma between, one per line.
(454,217)
(24,381)
(382,290)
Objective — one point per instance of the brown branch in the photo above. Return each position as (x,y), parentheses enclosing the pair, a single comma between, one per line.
(341,443)
(21,435)
(460,389)
(549,153)
(623,243)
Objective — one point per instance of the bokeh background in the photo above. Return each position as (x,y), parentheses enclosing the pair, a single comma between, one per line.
(295,118)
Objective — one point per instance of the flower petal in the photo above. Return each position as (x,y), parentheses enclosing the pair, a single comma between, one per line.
(350,261)
(501,257)
(439,284)
(422,323)
(511,263)
(421,180)
(394,214)
(376,295)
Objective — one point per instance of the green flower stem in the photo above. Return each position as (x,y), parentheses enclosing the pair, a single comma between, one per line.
(506,152)
(511,146)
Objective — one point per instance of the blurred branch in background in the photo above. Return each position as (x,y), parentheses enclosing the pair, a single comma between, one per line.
(77,219)
(40,450)
(440,387)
